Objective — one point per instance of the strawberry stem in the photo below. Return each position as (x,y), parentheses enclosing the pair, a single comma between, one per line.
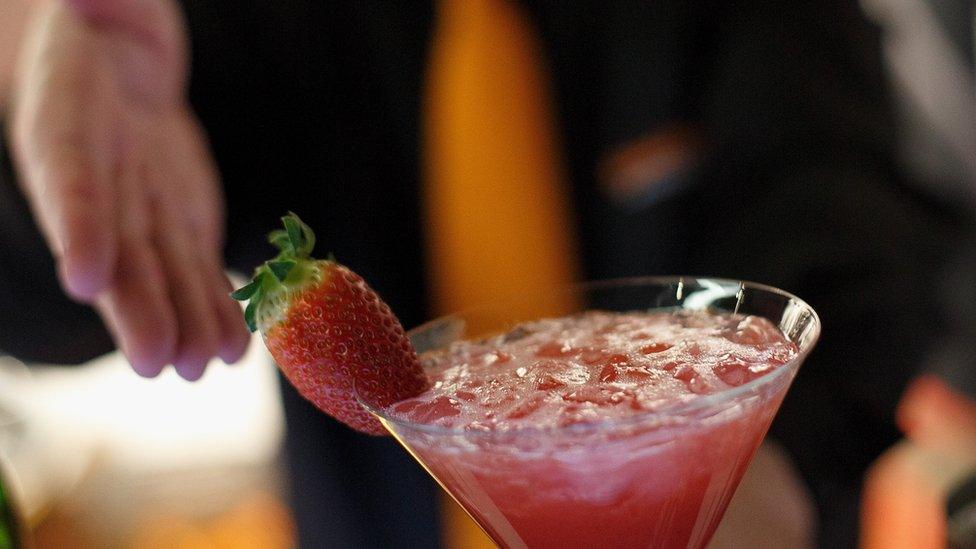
(295,243)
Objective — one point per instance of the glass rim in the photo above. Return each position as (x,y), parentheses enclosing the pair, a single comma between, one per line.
(670,410)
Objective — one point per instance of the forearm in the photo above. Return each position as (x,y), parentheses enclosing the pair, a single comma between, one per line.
(39,322)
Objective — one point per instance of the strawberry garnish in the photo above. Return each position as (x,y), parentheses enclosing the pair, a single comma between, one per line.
(328,330)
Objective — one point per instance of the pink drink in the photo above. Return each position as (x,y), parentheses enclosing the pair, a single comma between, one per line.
(599,429)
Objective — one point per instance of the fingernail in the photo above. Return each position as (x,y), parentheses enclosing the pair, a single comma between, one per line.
(145,368)
(76,283)
(86,269)
(146,360)
(190,370)
(233,352)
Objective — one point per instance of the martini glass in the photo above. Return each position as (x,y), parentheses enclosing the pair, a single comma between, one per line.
(660,478)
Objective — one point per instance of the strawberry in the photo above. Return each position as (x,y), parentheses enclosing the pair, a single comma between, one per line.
(327,329)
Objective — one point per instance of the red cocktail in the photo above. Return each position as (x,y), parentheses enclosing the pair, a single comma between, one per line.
(629,425)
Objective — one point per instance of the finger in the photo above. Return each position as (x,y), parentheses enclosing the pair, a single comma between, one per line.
(190,290)
(188,152)
(234,337)
(61,138)
(137,309)
(76,203)
(188,155)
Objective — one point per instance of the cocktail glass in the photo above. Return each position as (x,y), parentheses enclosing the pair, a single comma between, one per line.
(660,478)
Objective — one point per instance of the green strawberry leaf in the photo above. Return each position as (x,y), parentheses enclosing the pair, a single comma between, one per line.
(309,239)
(279,239)
(245,293)
(281,268)
(295,243)
(293,226)
(249,315)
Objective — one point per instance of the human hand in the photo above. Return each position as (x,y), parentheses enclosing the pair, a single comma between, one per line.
(906,490)
(119,177)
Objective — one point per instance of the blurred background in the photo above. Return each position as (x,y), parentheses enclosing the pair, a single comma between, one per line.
(867,111)
(103,458)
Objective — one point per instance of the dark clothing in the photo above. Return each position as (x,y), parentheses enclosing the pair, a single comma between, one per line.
(316,109)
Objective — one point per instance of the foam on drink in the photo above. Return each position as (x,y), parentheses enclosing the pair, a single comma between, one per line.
(593,366)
